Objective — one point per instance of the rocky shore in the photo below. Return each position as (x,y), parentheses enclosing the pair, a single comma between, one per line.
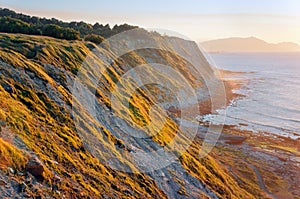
(269,163)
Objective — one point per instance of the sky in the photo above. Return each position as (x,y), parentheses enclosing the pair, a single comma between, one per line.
(200,20)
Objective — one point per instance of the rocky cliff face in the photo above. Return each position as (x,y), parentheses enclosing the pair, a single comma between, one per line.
(53,144)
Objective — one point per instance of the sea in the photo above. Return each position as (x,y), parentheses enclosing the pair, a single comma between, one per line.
(271,92)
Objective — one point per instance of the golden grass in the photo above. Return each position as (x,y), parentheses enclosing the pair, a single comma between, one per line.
(10,156)
(52,135)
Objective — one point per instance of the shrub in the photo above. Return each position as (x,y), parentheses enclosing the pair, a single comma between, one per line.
(11,25)
(56,31)
(70,34)
(97,39)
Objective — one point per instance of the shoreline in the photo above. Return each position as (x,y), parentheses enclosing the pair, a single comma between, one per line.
(230,86)
(272,161)
(276,160)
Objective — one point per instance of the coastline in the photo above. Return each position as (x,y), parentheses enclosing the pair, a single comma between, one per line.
(230,85)
(259,161)
(271,162)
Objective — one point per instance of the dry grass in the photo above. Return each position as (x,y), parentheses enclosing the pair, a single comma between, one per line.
(10,156)
(51,134)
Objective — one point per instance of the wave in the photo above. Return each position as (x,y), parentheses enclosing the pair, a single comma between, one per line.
(264,126)
(276,108)
(273,97)
(277,117)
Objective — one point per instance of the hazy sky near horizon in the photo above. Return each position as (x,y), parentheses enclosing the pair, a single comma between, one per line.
(271,20)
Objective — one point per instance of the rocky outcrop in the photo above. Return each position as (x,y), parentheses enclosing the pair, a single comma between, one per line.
(35,167)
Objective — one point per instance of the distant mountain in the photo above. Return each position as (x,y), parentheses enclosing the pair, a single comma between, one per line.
(250,44)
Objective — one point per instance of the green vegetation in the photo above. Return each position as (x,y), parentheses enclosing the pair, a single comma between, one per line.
(97,39)
(11,25)
(61,33)
(12,22)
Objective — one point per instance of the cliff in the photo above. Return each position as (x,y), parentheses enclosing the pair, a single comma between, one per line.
(53,146)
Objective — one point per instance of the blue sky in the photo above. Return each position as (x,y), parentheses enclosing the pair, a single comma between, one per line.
(271,20)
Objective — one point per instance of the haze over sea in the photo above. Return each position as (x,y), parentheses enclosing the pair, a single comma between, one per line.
(272,94)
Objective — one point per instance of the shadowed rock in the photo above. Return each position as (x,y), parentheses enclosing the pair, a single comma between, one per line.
(35,167)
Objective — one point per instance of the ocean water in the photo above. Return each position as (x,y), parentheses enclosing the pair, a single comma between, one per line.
(272,94)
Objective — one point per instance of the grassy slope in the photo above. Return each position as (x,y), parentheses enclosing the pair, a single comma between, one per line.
(48,130)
